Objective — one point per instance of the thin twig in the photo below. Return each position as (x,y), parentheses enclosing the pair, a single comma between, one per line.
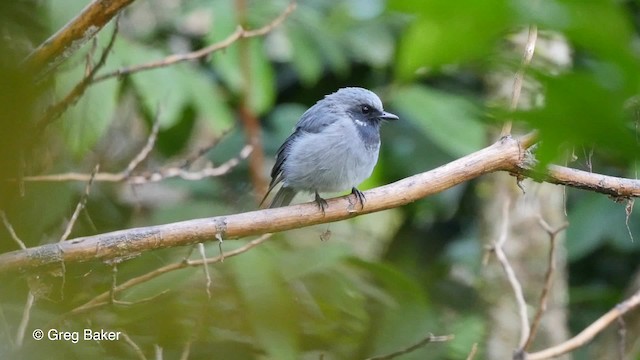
(186,350)
(146,149)
(124,303)
(88,65)
(114,283)
(153,176)
(518,79)
(548,279)
(5,327)
(26,314)
(190,159)
(54,111)
(205,266)
(628,209)
(80,206)
(90,222)
(11,231)
(511,276)
(430,338)
(158,352)
(622,338)
(103,299)
(239,33)
(589,332)
(219,238)
(133,345)
(472,353)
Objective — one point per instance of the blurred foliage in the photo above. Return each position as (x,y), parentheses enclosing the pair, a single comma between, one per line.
(380,282)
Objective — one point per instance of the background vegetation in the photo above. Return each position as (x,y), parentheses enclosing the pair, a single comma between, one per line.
(376,283)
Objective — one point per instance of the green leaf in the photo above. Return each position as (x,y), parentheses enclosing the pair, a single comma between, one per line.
(306,60)
(468,330)
(450,121)
(262,92)
(583,108)
(583,23)
(333,52)
(371,43)
(305,262)
(161,88)
(316,47)
(267,302)
(334,308)
(62,12)
(229,66)
(207,98)
(585,235)
(445,32)
(243,62)
(86,121)
(403,322)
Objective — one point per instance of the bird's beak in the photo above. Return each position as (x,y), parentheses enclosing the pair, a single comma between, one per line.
(388,116)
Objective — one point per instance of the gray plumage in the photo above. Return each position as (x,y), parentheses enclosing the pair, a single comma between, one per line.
(334,147)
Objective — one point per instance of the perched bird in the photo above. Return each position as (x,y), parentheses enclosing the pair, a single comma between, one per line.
(333,148)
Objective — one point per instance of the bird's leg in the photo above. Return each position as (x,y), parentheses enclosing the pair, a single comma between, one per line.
(359,196)
(322,203)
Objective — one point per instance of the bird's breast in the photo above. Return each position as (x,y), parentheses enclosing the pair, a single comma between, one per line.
(336,159)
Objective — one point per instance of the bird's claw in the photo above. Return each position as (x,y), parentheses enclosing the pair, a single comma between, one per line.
(359,197)
(322,203)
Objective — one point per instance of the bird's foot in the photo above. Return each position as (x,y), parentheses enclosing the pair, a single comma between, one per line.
(359,197)
(322,203)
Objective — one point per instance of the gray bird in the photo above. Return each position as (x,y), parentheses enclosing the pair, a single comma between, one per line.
(333,148)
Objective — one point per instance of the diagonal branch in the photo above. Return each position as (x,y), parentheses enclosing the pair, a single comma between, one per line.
(54,111)
(11,231)
(505,155)
(118,244)
(80,206)
(61,45)
(104,298)
(146,149)
(589,332)
(548,278)
(430,338)
(511,275)
(239,33)
(518,79)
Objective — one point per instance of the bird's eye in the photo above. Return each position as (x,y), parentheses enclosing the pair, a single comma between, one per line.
(365,109)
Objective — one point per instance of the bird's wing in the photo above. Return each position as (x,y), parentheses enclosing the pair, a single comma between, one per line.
(281,156)
(316,118)
(312,121)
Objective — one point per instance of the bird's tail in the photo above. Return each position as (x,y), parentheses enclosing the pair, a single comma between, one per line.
(283,197)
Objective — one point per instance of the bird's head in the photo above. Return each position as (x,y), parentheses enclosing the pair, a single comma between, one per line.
(361,105)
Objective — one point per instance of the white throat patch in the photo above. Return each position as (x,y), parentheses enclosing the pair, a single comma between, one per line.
(360,122)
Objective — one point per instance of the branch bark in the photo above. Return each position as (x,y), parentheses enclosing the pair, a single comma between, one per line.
(507,154)
(74,34)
